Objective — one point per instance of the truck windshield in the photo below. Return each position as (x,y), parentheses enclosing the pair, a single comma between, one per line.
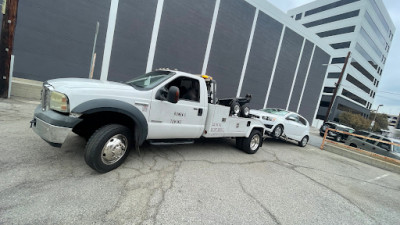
(150,80)
(280,112)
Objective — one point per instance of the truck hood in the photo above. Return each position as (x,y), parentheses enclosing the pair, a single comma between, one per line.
(80,90)
(82,83)
(262,113)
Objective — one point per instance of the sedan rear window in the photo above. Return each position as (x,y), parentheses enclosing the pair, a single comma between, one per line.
(302,120)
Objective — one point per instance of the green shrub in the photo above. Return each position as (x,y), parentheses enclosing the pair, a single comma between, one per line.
(358,122)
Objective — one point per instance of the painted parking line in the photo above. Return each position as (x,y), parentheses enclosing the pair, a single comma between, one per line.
(377,178)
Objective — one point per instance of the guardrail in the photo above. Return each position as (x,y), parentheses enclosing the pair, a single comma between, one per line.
(382,157)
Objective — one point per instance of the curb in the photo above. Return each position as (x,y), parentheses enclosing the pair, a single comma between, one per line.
(24,88)
(364,158)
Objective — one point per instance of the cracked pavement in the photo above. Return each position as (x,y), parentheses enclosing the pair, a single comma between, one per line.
(209,182)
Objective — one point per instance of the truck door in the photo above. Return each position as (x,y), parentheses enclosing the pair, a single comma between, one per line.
(184,119)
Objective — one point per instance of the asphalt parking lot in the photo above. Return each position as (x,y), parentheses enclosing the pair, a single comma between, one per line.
(209,182)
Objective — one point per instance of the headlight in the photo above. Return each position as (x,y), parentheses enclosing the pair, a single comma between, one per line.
(268,118)
(59,102)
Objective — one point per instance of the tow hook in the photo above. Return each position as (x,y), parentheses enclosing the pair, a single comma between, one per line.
(33,123)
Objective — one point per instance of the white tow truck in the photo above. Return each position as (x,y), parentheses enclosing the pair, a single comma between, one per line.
(162,107)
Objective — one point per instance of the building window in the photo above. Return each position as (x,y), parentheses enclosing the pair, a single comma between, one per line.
(347,109)
(375,28)
(338,60)
(324,104)
(332,19)
(329,6)
(341,45)
(380,16)
(371,42)
(366,56)
(333,75)
(353,97)
(298,16)
(357,83)
(361,69)
(343,30)
(328,89)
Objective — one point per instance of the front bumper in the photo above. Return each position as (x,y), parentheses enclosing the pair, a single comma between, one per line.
(50,133)
(51,126)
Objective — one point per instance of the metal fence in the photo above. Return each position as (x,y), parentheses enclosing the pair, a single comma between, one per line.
(374,155)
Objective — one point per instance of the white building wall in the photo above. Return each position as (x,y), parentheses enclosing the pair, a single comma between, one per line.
(355,37)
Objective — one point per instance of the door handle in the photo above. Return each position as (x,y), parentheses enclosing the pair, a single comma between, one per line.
(200,112)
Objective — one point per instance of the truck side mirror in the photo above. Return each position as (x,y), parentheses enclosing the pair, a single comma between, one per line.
(162,94)
(173,94)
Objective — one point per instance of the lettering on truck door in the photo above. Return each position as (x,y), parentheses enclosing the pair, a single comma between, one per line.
(184,119)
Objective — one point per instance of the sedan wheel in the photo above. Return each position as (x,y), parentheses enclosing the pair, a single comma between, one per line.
(277,131)
(303,141)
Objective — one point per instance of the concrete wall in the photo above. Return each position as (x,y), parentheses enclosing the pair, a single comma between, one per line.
(255,48)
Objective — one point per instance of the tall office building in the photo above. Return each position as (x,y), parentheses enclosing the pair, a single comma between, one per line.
(362,27)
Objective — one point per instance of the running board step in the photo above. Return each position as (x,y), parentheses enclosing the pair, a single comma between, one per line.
(171,142)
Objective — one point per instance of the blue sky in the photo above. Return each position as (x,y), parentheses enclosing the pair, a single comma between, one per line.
(388,92)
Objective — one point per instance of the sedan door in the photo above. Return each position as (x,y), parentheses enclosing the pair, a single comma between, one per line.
(293,129)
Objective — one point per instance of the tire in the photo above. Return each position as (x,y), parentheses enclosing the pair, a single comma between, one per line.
(321,134)
(303,141)
(278,131)
(245,111)
(108,147)
(338,138)
(235,108)
(252,143)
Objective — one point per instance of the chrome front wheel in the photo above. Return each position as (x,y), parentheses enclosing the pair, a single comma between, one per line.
(108,147)
(114,149)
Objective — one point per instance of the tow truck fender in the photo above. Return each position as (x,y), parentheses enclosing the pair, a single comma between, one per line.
(111,105)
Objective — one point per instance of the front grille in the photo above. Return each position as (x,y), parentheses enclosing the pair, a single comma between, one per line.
(45,96)
(268,126)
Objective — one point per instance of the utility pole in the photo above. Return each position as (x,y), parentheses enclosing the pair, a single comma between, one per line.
(337,87)
(6,43)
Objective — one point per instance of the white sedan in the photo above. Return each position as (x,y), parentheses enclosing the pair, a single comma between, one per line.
(281,123)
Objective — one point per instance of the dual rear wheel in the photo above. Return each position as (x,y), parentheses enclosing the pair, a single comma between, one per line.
(251,144)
